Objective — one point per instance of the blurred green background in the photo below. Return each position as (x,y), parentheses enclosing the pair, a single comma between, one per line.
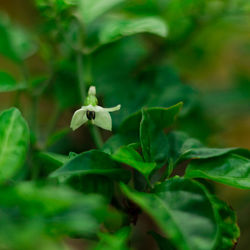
(204,61)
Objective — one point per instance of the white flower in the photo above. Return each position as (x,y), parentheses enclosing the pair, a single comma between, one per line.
(96,114)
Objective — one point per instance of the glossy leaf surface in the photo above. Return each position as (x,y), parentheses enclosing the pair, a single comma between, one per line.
(162,117)
(233,170)
(131,157)
(118,28)
(171,204)
(92,162)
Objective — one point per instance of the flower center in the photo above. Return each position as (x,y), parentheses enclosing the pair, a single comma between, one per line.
(90,115)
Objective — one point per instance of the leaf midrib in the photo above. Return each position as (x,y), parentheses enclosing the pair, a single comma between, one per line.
(6,138)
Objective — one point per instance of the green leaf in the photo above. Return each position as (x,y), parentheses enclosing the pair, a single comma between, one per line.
(59,5)
(147,129)
(154,142)
(132,158)
(115,241)
(92,162)
(184,147)
(90,10)
(14,138)
(92,184)
(51,210)
(53,158)
(206,153)
(182,209)
(65,85)
(229,230)
(8,83)
(180,142)
(232,170)
(162,117)
(115,142)
(15,43)
(115,29)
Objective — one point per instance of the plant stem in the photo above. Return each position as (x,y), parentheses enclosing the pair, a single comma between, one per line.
(83,78)
(52,123)
(80,74)
(34,111)
(95,133)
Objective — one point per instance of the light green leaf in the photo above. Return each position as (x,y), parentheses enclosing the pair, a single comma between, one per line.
(14,140)
(115,241)
(57,210)
(90,10)
(118,28)
(182,209)
(15,43)
(132,158)
(92,162)
(232,170)
(8,83)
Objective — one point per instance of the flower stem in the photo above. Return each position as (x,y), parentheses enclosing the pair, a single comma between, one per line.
(84,78)
(80,74)
(95,133)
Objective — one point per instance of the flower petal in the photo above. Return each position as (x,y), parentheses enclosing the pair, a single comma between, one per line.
(94,108)
(103,120)
(79,118)
(113,109)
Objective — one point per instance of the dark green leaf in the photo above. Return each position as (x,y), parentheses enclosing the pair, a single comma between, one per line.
(147,129)
(229,230)
(206,153)
(59,5)
(92,162)
(154,142)
(184,147)
(14,138)
(65,85)
(118,28)
(232,169)
(183,211)
(162,242)
(115,142)
(162,117)
(53,158)
(92,184)
(131,157)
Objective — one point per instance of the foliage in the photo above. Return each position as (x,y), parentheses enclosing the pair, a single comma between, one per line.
(49,194)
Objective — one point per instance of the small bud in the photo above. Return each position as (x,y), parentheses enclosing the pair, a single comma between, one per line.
(92,90)
(91,100)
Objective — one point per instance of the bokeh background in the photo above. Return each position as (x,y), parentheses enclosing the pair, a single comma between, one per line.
(204,61)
